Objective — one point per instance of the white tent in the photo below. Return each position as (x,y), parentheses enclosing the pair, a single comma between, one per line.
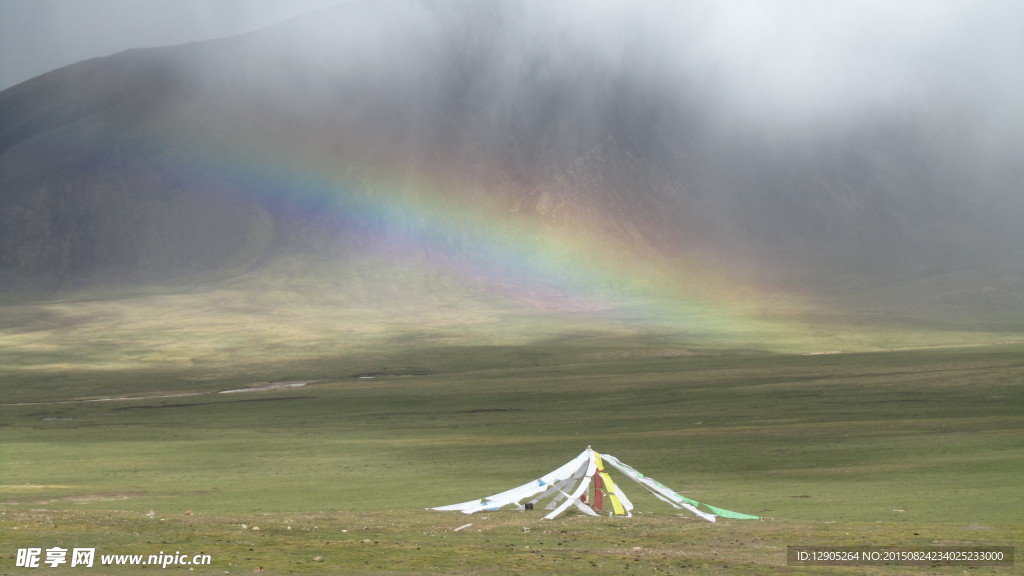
(568,486)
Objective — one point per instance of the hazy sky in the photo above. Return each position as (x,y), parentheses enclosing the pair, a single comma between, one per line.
(37,36)
(798,59)
(829,48)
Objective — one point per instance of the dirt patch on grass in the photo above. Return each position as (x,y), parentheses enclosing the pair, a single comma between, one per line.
(270,386)
(100,496)
(30,487)
(196,404)
(259,387)
(80,498)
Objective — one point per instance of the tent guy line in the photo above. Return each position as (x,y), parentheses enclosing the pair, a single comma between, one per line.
(568,485)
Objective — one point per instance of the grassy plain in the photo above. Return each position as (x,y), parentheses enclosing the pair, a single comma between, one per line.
(916,447)
(115,433)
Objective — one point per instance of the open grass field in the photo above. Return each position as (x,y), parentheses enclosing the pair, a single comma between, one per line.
(915,447)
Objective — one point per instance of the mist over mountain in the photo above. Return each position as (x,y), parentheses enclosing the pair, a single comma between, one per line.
(800,153)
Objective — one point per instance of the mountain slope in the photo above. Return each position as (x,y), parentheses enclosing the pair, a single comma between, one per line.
(505,143)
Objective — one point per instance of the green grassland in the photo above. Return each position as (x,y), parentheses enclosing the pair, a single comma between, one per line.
(423,391)
(914,447)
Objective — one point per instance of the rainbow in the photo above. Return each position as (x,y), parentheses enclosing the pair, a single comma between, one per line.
(435,220)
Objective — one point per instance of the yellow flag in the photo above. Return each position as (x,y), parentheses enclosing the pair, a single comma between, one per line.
(609,487)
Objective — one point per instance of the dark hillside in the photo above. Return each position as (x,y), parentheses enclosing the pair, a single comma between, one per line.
(209,159)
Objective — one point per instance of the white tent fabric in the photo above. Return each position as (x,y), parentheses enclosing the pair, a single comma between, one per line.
(566,486)
(542,486)
(657,488)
